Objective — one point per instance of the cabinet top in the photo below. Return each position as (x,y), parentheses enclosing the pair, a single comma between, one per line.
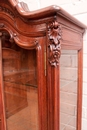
(53,10)
(28,28)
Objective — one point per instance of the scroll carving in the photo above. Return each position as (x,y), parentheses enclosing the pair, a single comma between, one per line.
(6,10)
(54,35)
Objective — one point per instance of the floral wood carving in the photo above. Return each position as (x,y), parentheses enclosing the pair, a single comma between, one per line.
(54,35)
(6,10)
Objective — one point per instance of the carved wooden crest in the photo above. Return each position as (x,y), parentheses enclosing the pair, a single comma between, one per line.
(54,35)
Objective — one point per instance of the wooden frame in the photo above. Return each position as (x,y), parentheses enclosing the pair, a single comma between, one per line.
(48,31)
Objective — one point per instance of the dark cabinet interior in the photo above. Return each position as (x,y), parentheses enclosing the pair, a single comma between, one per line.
(41,54)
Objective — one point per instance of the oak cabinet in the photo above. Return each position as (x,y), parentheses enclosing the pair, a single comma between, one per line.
(41,54)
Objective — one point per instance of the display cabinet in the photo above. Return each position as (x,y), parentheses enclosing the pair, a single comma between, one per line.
(41,61)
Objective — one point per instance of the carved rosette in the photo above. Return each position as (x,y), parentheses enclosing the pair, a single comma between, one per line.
(54,36)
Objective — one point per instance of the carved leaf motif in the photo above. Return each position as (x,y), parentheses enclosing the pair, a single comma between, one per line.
(54,33)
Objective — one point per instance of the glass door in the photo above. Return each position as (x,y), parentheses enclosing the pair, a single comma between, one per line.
(68,89)
(20,87)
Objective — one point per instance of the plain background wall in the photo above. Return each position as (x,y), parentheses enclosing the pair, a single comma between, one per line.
(77,8)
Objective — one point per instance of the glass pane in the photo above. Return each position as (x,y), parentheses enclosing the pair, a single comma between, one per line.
(20,88)
(68,89)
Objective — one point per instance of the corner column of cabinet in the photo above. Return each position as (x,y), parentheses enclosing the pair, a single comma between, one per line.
(53,56)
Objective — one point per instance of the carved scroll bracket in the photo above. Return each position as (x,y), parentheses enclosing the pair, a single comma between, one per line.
(54,36)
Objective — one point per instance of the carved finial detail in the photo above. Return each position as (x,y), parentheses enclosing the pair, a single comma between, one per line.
(6,10)
(54,35)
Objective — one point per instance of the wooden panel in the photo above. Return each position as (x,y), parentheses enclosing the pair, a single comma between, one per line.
(71,36)
(71,39)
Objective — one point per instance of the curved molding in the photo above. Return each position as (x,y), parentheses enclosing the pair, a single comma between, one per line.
(29,44)
(23,10)
(4,28)
(54,36)
(6,10)
(13,2)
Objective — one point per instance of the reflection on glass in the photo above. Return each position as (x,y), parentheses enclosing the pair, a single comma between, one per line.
(20,88)
(68,90)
